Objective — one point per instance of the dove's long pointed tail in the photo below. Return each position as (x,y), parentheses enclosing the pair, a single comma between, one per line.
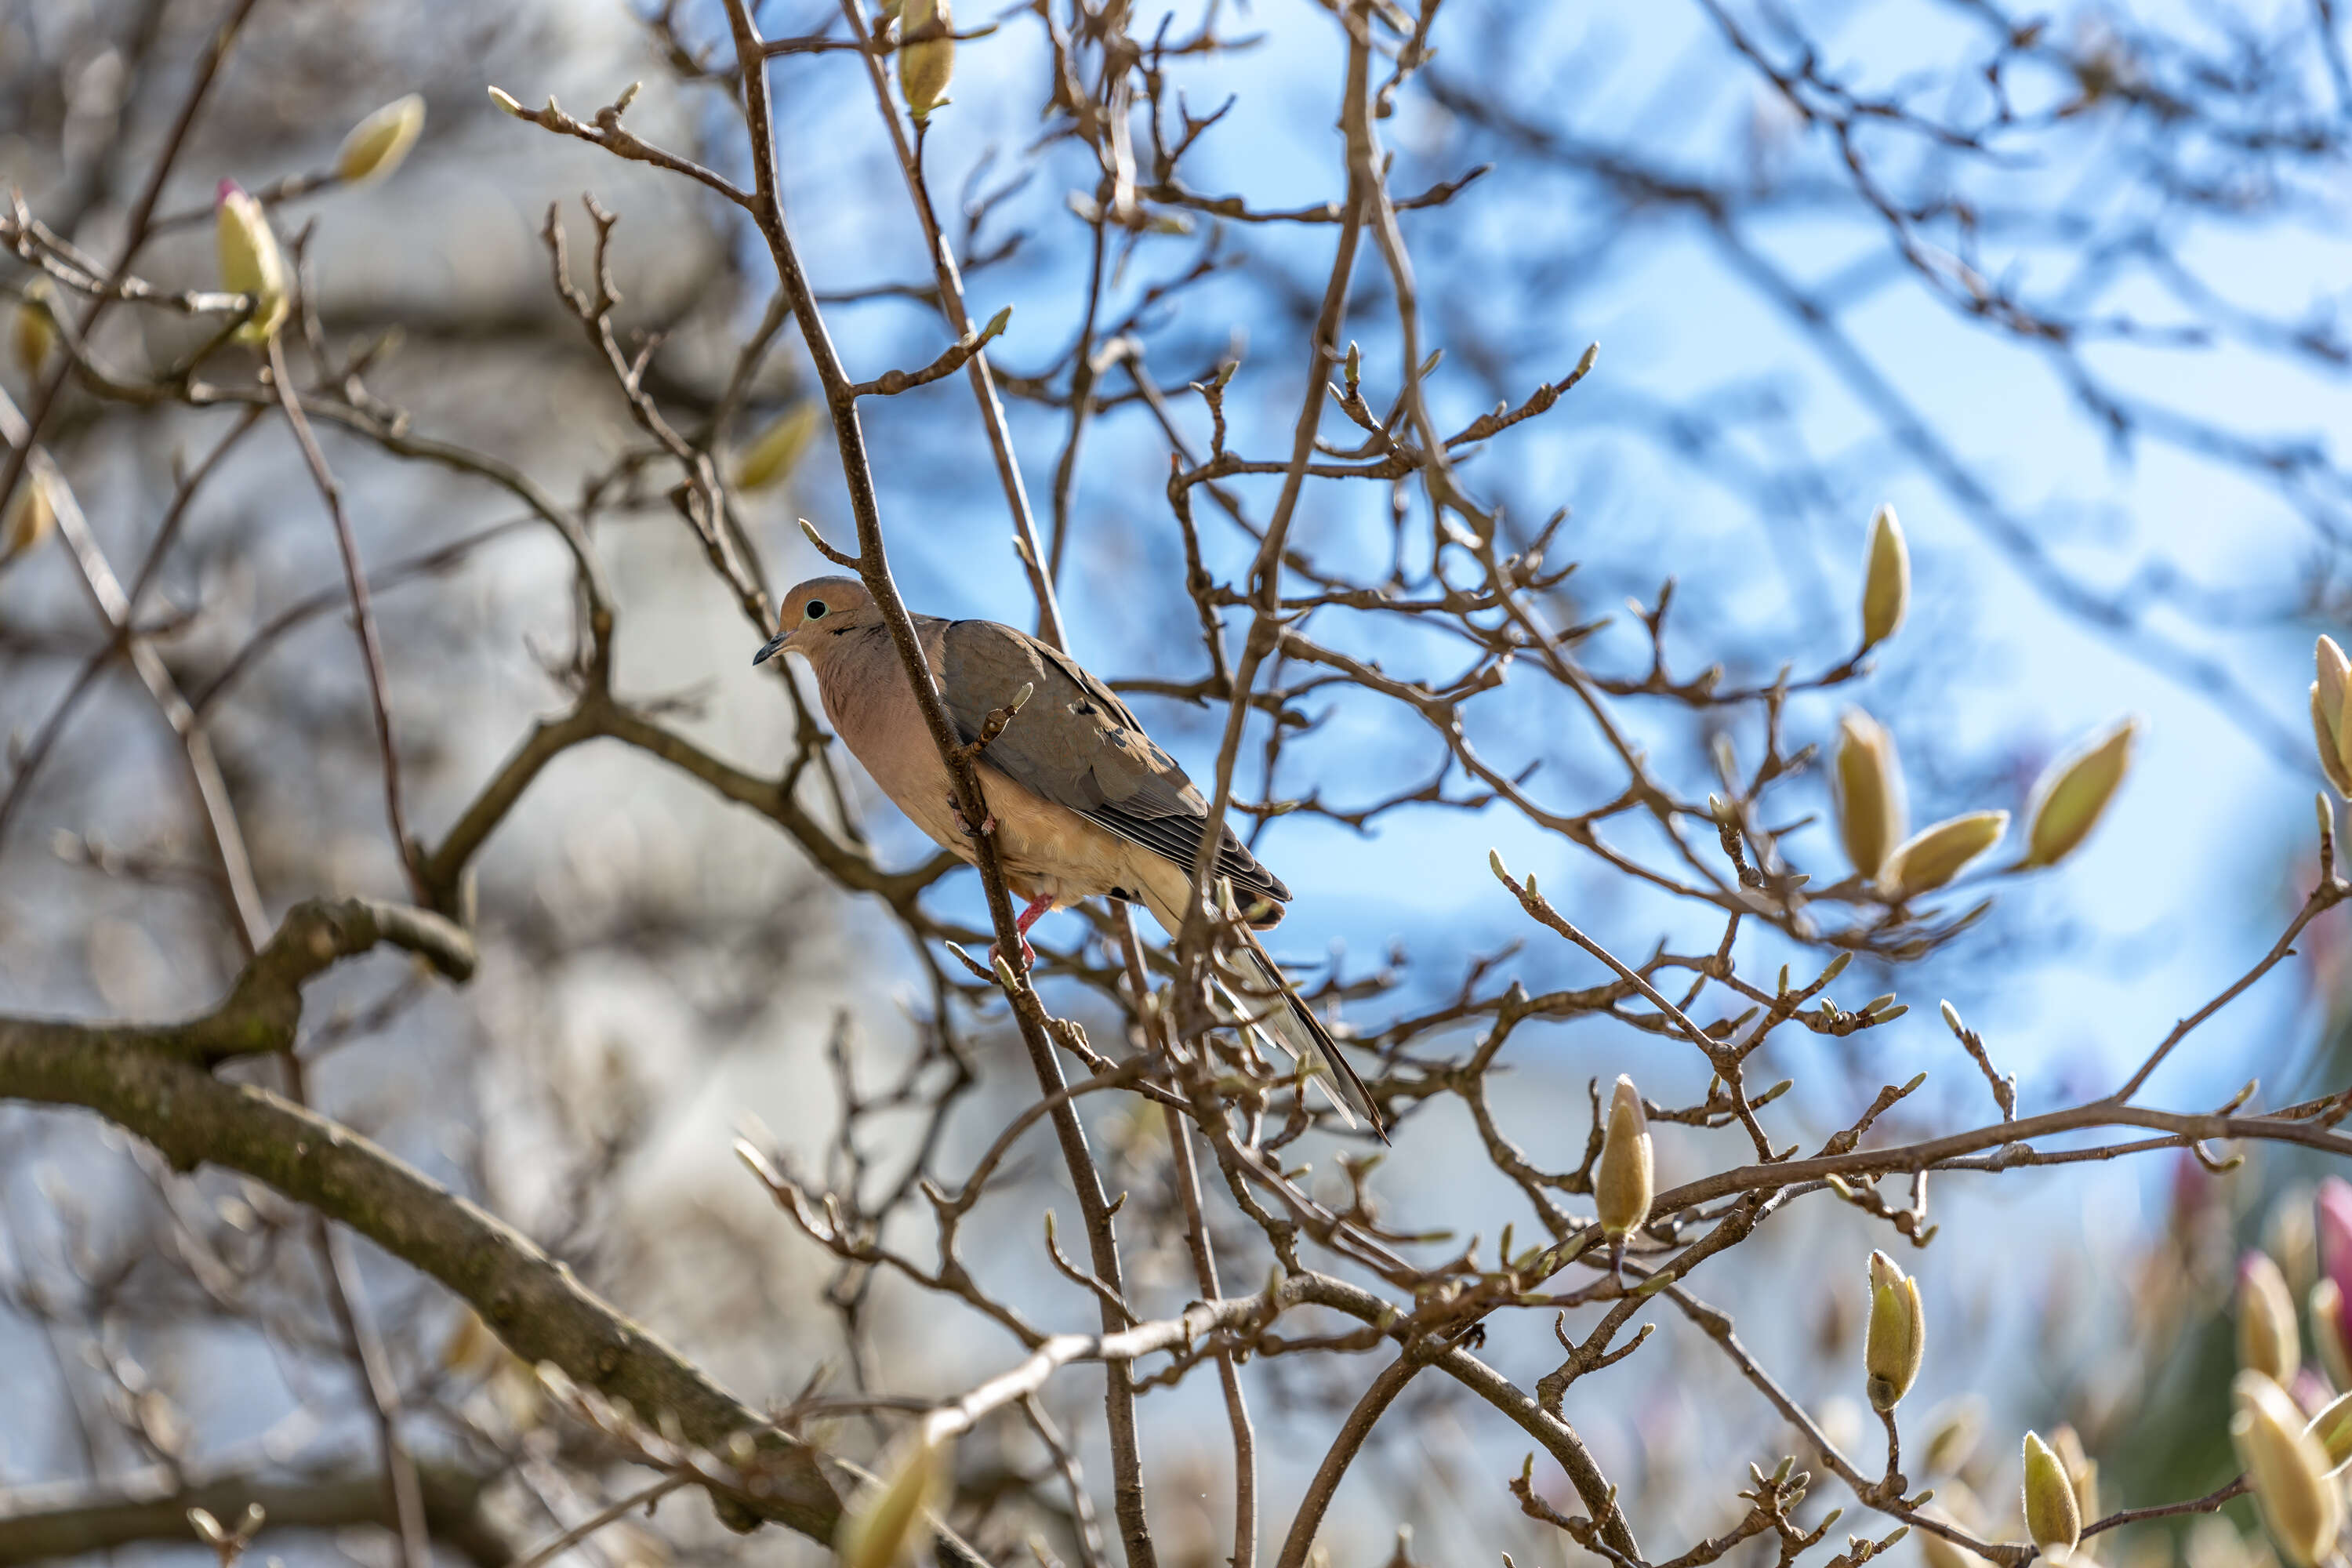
(1267,1002)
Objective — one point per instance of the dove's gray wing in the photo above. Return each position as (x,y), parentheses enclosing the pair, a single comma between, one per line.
(1077,745)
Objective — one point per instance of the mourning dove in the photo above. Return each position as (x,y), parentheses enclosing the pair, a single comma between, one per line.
(1084,804)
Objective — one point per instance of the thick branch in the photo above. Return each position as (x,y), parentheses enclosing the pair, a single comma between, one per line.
(43,1524)
(532,1303)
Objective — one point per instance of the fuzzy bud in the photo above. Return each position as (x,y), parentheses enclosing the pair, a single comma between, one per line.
(772,454)
(2052,1516)
(1886,580)
(2267,1339)
(1624,1180)
(1897,1336)
(1934,855)
(2301,1507)
(31,517)
(1957,1505)
(250,261)
(2331,1430)
(2081,1469)
(1871,816)
(1952,1438)
(2329,725)
(925,68)
(377,144)
(33,330)
(2327,1333)
(2073,792)
(883,1529)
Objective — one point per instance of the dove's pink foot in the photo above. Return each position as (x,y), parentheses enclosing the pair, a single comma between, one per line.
(963,824)
(1028,917)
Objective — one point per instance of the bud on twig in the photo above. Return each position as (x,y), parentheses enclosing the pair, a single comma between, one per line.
(1952,1440)
(1934,855)
(2080,1467)
(1897,1336)
(925,68)
(33,332)
(2329,726)
(2288,1466)
(2267,1339)
(1954,1505)
(250,261)
(2073,794)
(32,516)
(2327,1333)
(378,144)
(2053,1518)
(1872,819)
(772,454)
(2331,1430)
(885,1529)
(1626,1178)
(1886,580)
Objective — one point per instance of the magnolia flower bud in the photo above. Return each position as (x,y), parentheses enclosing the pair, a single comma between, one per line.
(2327,1333)
(2332,1213)
(2267,1339)
(1870,810)
(2288,1466)
(2073,794)
(1934,855)
(33,332)
(2329,723)
(2080,1467)
(1957,1505)
(1897,1336)
(31,518)
(2052,1516)
(1952,1437)
(250,262)
(884,1530)
(1886,580)
(377,144)
(1624,1179)
(925,68)
(2331,1430)
(773,452)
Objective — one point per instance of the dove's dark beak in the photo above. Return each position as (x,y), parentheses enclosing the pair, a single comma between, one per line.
(770,651)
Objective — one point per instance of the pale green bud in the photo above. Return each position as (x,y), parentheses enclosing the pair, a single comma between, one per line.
(378,144)
(2074,791)
(2331,724)
(31,518)
(1934,855)
(1871,814)
(2331,1430)
(1624,1179)
(33,333)
(2301,1507)
(2327,1332)
(1886,580)
(250,261)
(925,68)
(773,452)
(2053,1520)
(1897,1337)
(885,1528)
(2268,1341)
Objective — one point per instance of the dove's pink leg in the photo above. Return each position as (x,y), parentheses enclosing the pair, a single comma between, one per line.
(1028,917)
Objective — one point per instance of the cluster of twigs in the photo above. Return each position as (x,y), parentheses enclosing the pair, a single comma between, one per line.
(1469,599)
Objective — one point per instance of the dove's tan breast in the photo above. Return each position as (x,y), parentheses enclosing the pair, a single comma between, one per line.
(1048,850)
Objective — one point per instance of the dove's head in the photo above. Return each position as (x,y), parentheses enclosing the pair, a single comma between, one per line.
(815,612)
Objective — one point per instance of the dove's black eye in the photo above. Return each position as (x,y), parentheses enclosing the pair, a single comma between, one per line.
(816,609)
